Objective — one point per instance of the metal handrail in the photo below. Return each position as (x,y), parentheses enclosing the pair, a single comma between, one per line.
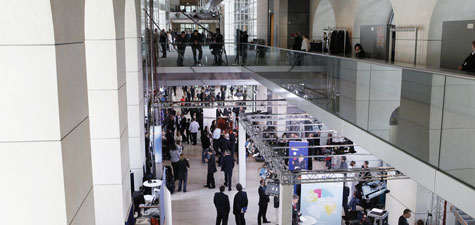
(419,68)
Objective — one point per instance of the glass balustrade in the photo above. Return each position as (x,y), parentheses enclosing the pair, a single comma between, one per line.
(427,113)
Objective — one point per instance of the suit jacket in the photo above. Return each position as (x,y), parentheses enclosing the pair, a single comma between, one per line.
(227,164)
(263,198)
(212,164)
(223,144)
(205,142)
(295,215)
(469,63)
(232,143)
(221,202)
(240,202)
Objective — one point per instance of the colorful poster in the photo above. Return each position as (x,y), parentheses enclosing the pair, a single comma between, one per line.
(321,203)
(297,148)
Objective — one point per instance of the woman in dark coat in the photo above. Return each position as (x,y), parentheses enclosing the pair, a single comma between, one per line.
(182,173)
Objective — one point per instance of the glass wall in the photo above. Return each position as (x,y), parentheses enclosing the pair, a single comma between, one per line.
(242,15)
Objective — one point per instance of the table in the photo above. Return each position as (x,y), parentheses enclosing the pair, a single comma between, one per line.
(152,183)
(148,198)
(308,220)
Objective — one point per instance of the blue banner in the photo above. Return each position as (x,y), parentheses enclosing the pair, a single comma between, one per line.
(296,149)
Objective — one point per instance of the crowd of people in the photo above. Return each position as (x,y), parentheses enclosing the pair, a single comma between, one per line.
(169,40)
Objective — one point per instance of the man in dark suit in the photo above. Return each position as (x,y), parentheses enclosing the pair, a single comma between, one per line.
(227,165)
(240,205)
(223,143)
(403,218)
(263,202)
(221,202)
(233,142)
(211,170)
(295,211)
(469,63)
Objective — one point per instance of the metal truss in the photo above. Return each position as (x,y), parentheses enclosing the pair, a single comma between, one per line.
(278,117)
(222,104)
(277,166)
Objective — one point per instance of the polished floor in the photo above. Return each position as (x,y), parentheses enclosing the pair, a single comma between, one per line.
(196,206)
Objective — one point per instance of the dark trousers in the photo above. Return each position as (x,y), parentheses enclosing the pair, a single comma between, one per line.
(200,53)
(193,138)
(164,50)
(240,219)
(181,55)
(222,218)
(262,213)
(210,180)
(227,179)
(184,137)
(218,57)
(175,169)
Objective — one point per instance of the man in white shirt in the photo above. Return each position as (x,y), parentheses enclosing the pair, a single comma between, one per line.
(194,128)
(216,136)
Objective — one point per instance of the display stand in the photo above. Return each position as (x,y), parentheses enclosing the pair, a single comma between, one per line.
(392,37)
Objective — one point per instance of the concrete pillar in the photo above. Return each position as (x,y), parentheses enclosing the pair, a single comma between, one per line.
(106,81)
(285,204)
(135,93)
(242,154)
(45,155)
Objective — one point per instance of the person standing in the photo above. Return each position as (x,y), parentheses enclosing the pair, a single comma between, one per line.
(343,164)
(181,41)
(194,128)
(223,144)
(240,205)
(233,142)
(216,135)
(175,153)
(218,42)
(227,165)
(221,202)
(295,212)
(205,143)
(263,203)
(403,218)
(163,43)
(469,63)
(211,170)
(297,42)
(305,44)
(196,42)
(183,166)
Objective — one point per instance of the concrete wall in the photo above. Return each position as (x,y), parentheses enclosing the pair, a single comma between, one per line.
(427,15)
(446,10)
(321,16)
(262,19)
(45,151)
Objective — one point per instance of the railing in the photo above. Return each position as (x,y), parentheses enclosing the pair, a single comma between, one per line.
(427,113)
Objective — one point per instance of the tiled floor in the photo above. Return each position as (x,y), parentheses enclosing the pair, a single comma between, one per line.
(196,207)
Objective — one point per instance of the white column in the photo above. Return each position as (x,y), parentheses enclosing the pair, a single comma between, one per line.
(45,156)
(135,96)
(285,204)
(106,81)
(242,154)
